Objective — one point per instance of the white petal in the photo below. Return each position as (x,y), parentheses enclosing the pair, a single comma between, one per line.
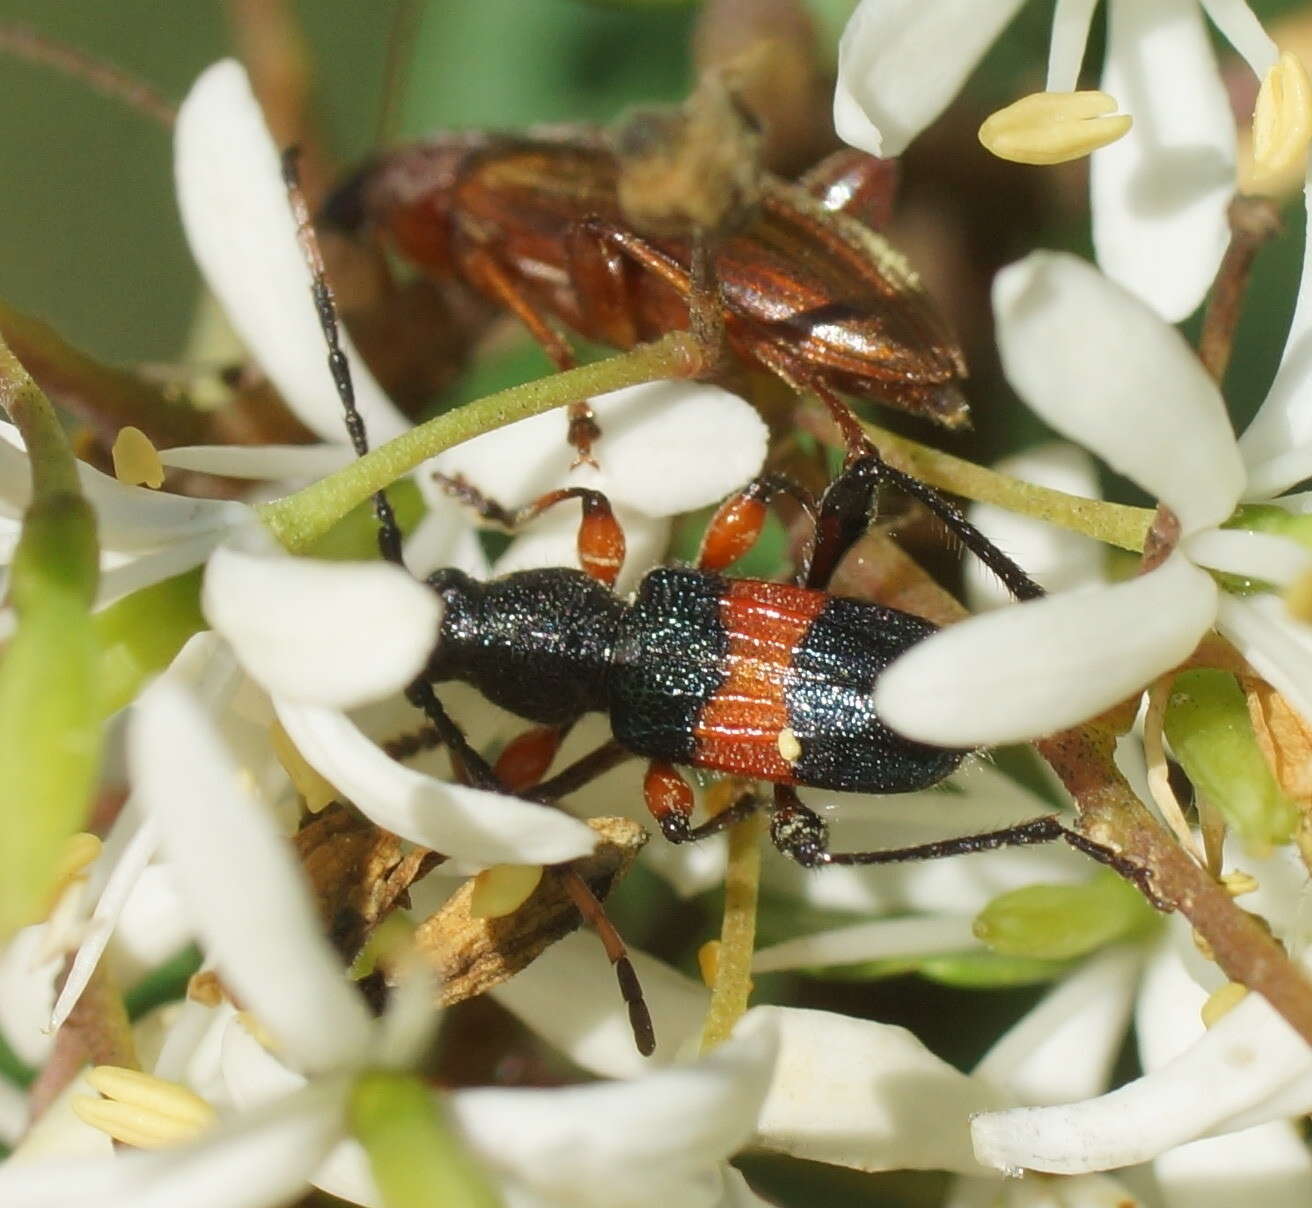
(149,569)
(884,939)
(1264,556)
(445,537)
(1053,557)
(123,878)
(1269,1163)
(665,447)
(866,1095)
(407,1026)
(1247,1056)
(626,1143)
(332,633)
(1241,28)
(59,1134)
(1105,372)
(1039,667)
(1160,193)
(478,827)
(552,540)
(571,1000)
(1064,1048)
(1276,646)
(27,990)
(241,231)
(13,1113)
(261,461)
(900,63)
(1277,444)
(240,884)
(259,1159)
(129,519)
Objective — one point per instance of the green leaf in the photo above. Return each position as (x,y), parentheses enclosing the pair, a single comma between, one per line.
(1060,922)
(1210,733)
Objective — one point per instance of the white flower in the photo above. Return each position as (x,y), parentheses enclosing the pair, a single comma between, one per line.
(1100,368)
(1159,194)
(256,921)
(1233,1085)
(845,1091)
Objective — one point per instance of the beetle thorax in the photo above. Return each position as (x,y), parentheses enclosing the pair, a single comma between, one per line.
(537,642)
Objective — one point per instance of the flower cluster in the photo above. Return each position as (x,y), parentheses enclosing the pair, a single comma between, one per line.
(273,1075)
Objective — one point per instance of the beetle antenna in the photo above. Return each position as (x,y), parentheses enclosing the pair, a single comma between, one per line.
(23,42)
(389,533)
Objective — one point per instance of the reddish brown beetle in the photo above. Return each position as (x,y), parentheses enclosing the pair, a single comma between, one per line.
(810,293)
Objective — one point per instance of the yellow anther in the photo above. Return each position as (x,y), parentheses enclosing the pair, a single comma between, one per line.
(1298,598)
(80,852)
(205,988)
(313,789)
(136,460)
(1282,129)
(1238,882)
(1221,1002)
(1053,127)
(503,889)
(708,960)
(142,1110)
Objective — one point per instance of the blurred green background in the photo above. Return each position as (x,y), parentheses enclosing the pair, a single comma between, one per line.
(90,241)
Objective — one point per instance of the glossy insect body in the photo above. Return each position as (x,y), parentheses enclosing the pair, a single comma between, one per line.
(809,292)
(764,680)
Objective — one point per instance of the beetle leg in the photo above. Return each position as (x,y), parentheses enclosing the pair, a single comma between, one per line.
(525,758)
(670,801)
(698,284)
(592,912)
(487,273)
(737,524)
(601,539)
(802,835)
(854,183)
(598,266)
(845,510)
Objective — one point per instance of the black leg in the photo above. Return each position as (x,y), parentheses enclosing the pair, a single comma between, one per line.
(847,505)
(802,835)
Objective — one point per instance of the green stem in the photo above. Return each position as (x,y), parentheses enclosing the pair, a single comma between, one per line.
(298,519)
(416,1159)
(49,724)
(1112,523)
(733,972)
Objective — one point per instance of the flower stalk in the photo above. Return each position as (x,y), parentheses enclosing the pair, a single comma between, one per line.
(298,519)
(1121,832)
(733,980)
(416,1160)
(49,719)
(1112,523)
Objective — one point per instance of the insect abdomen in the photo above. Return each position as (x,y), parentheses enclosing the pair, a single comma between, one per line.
(764,680)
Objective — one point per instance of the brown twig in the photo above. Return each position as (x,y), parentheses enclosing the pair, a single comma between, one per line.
(1110,815)
(1253,221)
